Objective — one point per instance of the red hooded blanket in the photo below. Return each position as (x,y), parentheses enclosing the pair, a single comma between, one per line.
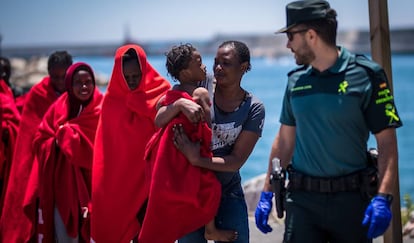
(63,153)
(125,127)
(9,118)
(15,226)
(182,197)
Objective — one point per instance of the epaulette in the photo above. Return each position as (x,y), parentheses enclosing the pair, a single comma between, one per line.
(300,68)
(374,70)
(371,66)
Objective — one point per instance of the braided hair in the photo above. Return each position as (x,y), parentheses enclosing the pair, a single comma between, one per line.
(178,59)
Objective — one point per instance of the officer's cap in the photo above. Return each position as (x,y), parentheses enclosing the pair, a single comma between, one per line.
(303,11)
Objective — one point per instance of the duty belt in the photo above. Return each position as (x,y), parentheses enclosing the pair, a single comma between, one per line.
(350,182)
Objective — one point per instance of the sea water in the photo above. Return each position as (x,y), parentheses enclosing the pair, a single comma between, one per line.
(267,80)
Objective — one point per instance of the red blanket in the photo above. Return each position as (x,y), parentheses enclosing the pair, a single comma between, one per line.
(15,226)
(20,100)
(125,127)
(64,174)
(9,118)
(182,197)
(5,89)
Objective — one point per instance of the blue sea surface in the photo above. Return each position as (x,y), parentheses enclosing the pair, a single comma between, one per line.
(267,81)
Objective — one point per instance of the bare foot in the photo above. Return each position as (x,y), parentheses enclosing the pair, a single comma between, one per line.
(221,235)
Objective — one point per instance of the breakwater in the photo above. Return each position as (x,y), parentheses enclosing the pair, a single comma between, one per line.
(267,45)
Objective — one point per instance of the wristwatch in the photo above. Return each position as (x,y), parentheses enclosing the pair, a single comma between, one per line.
(387,196)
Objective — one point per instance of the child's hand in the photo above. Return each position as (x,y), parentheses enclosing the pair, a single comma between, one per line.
(193,111)
(190,150)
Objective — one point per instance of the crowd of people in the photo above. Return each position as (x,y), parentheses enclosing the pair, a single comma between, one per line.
(150,162)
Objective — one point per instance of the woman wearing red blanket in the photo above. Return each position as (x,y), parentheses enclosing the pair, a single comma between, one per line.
(64,149)
(9,120)
(125,127)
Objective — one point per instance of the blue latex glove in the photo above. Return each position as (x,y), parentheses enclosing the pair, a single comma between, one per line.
(263,209)
(377,216)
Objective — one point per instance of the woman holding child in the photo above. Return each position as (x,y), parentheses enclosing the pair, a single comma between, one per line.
(237,120)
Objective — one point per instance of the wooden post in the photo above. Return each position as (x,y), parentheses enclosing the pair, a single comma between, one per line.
(381,53)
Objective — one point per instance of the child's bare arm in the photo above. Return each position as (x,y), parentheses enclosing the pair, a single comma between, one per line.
(202,97)
(193,111)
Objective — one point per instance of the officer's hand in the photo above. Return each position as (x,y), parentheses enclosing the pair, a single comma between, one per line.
(264,206)
(377,216)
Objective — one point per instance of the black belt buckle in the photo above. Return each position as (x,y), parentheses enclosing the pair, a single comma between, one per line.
(325,185)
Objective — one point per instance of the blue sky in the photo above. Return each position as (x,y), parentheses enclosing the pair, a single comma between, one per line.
(45,22)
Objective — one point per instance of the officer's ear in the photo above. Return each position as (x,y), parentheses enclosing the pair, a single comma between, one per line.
(311,34)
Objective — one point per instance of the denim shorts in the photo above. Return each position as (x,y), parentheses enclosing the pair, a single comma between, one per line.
(232,215)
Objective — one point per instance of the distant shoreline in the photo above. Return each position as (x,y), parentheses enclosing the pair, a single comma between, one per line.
(261,45)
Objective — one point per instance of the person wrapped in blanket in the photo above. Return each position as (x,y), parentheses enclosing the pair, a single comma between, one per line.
(62,169)
(10,120)
(119,192)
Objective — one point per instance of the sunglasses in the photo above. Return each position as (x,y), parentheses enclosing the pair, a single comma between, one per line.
(290,34)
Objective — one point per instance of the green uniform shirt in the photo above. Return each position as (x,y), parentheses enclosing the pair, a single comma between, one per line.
(333,113)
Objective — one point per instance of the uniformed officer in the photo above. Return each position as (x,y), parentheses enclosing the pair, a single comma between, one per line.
(333,100)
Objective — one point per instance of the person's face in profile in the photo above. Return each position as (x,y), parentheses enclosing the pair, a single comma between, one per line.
(196,67)
(57,78)
(132,73)
(82,85)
